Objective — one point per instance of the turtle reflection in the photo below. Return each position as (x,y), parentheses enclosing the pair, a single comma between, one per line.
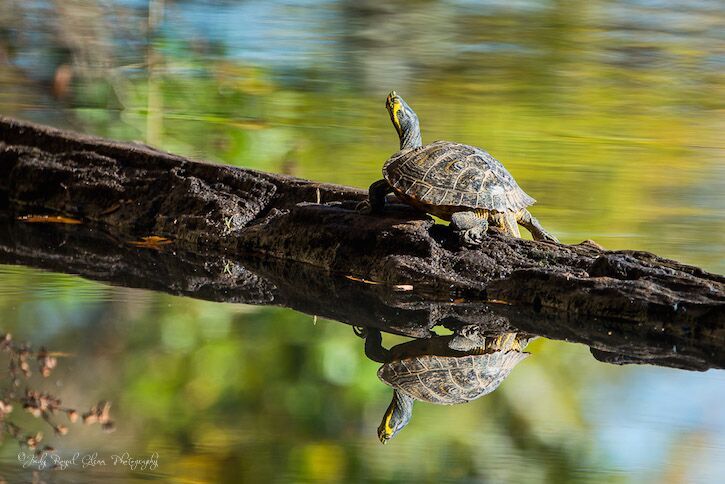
(445,370)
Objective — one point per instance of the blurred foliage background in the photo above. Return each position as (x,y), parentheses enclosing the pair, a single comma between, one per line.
(610,113)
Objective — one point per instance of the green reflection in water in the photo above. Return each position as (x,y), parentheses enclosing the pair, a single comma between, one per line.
(267,392)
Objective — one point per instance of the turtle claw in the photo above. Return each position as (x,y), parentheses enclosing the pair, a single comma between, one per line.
(364,208)
(471,229)
(467,338)
(548,237)
(360,331)
(472,237)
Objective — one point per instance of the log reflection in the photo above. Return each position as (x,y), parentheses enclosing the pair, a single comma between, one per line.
(265,281)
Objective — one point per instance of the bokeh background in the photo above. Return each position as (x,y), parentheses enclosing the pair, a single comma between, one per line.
(610,113)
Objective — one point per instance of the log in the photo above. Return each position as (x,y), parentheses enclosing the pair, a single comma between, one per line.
(131,190)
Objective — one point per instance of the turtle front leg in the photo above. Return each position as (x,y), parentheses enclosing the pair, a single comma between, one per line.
(470,226)
(529,222)
(376,198)
(374,348)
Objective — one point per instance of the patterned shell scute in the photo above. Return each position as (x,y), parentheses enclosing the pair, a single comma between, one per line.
(449,380)
(444,173)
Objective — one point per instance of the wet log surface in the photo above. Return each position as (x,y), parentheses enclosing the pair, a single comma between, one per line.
(217,212)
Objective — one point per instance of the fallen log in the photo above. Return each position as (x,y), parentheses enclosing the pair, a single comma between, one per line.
(132,189)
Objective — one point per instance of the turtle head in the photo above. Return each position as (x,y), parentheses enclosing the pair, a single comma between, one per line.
(405,121)
(396,416)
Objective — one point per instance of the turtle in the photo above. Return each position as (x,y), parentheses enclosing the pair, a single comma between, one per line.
(456,182)
(444,370)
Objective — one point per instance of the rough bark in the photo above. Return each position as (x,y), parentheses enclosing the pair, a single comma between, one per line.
(130,190)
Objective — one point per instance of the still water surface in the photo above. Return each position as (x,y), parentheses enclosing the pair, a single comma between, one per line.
(609,113)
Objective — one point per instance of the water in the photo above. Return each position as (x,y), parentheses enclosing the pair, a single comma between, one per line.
(609,113)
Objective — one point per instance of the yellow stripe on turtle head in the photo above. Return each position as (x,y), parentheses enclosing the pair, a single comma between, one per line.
(394,106)
(385,430)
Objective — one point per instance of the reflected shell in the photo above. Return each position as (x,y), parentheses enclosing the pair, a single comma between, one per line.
(448,380)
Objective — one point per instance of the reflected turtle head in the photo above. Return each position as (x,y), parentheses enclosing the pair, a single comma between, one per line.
(396,416)
(431,370)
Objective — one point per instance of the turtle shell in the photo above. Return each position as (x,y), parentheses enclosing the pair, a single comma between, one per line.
(445,177)
(448,380)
